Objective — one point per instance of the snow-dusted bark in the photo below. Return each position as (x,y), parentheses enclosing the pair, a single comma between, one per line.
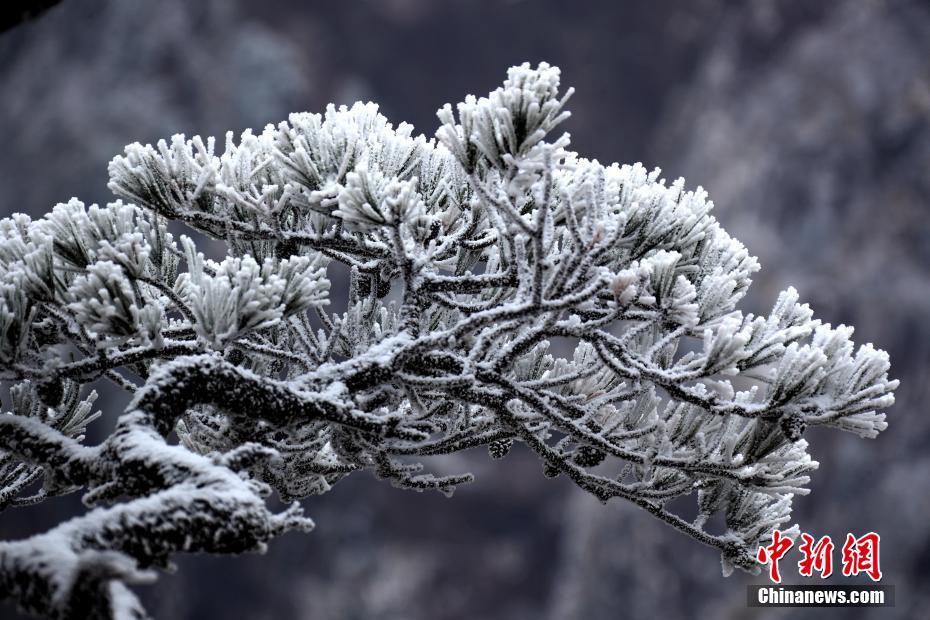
(473,259)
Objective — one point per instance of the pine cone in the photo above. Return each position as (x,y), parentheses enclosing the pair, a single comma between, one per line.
(793,426)
(499,448)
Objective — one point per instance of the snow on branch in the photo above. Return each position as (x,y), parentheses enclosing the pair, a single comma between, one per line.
(502,289)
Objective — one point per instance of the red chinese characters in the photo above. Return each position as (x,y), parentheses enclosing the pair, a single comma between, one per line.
(860,555)
(817,556)
(773,553)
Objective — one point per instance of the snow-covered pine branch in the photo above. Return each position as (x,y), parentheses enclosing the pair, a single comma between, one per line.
(469,255)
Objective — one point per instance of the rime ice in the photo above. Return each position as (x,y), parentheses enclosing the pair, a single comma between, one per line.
(467,254)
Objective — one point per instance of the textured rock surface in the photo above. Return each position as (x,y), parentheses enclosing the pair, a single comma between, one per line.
(826,109)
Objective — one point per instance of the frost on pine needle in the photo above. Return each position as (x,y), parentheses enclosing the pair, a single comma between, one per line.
(472,259)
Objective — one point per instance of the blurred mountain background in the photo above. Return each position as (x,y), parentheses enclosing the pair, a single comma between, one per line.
(808,123)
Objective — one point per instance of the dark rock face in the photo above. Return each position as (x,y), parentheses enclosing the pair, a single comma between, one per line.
(815,153)
(807,124)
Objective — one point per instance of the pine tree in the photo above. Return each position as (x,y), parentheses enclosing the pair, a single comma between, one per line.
(472,258)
